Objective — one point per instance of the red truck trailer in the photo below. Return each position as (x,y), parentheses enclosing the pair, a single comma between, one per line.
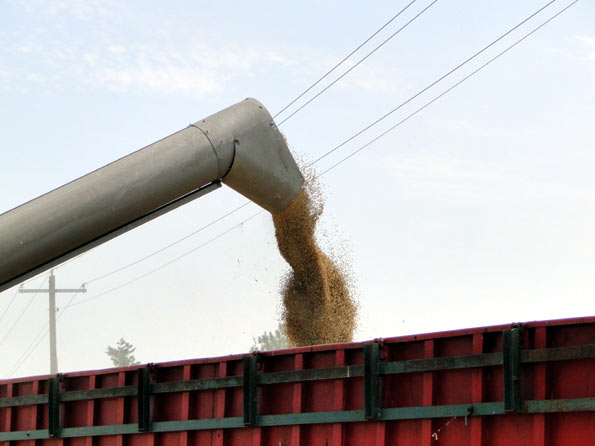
(520,384)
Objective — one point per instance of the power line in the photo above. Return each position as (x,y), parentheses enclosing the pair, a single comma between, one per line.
(52,291)
(339,145)
(73,259)
(281,111)
(318,81)
(33,346)
(423,90)
(22,313)
(29,350)
(31,279)
(13,370)
(36,342)
(278,113)
(350,155)
(169,262)
(449,89)
(335,148)
(168,246)
(360,132)
(357,63)
(9,305)
(68,305)
(344,59)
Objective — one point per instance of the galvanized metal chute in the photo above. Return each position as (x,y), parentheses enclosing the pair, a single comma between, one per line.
(239,146)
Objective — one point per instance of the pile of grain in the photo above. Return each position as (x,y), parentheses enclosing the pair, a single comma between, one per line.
(318,307)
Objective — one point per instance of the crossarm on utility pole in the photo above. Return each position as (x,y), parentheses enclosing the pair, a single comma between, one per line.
(52,290)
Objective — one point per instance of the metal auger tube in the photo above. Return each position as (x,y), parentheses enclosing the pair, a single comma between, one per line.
(239,146)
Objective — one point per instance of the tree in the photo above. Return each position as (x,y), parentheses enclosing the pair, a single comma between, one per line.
(271,341)
(122,354)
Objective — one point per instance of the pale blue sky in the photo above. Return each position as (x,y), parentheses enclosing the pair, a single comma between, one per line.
(477,211)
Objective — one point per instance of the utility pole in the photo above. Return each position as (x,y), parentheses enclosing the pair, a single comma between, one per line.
(52,293)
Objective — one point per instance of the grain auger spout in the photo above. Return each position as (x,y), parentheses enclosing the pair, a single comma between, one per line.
(239,146)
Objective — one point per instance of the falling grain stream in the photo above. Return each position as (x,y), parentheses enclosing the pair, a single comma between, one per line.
(318,306)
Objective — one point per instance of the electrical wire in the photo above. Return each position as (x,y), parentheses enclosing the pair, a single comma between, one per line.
(29,350)
(394,17)
(22,312)
(287,106)
(302,94)
(325,75)
(68,305)
(9,305)
(170,261)
(349,156)
(168,246)
(357,64)
(36,341)
(55,268)
(423,90)
(427,104)
(34,345)
(342,143)
(358,150)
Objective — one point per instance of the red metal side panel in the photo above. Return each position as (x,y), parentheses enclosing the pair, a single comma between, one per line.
(569,381)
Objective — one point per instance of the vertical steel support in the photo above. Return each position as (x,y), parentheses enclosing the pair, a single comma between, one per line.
(54,407)
(511,360)
(250,405)
(144,399)
(372,409)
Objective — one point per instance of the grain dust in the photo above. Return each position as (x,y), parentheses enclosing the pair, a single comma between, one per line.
(317,302)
